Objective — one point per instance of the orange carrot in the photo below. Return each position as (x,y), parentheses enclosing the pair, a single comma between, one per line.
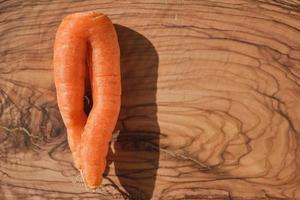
(90,38)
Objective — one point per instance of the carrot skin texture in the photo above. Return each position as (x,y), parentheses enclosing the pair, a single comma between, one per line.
(69,51)
(106,94)
(91,36)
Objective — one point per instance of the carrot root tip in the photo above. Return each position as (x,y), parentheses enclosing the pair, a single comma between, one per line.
(76,160)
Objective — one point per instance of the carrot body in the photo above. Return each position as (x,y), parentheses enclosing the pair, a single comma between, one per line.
(88,38)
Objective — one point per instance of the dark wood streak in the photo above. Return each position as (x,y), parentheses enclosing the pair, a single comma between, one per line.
(210,103)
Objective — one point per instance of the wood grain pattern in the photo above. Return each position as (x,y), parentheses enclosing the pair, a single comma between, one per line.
(210,103)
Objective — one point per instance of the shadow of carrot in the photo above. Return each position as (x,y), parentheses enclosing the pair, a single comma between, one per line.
(136,153)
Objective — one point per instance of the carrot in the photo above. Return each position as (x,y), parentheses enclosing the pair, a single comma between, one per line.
(90,38)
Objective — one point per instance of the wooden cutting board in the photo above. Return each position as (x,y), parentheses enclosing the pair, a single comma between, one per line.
(210,103)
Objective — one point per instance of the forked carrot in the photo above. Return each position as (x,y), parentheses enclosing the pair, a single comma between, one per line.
(82,39)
